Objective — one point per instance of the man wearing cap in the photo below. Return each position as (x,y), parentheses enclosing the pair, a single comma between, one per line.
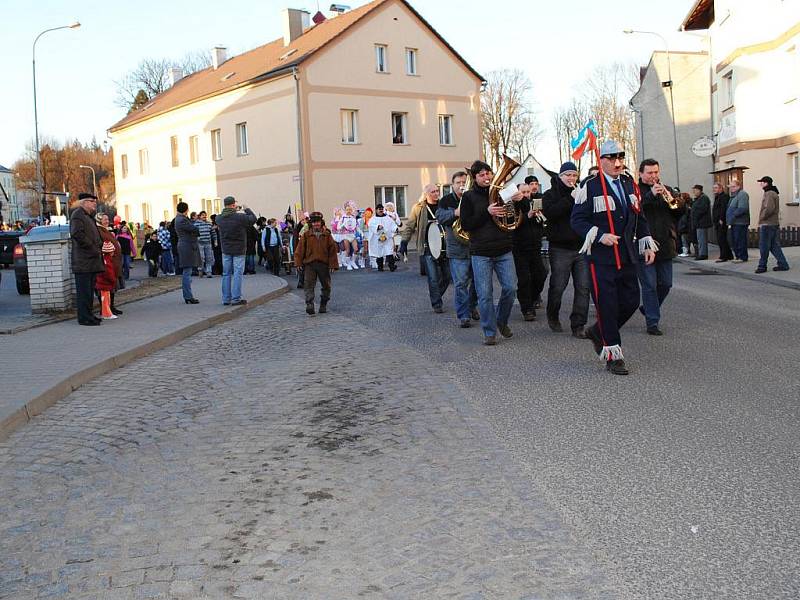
(527,250)
(317,255)
(768,221)
(608,217)
(233,226)
(565,260)
(87,256)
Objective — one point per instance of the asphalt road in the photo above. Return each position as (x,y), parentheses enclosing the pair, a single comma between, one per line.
(681,479)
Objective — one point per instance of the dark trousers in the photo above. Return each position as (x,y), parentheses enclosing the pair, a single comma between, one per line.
(739,241)
(274,258)
(566,263)
(437,270)
(152,267)
(616,296)
(84,296)
(530,277)
(389,259)
(725,252)
(311,273)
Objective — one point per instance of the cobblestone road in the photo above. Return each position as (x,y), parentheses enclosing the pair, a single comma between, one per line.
(270,458)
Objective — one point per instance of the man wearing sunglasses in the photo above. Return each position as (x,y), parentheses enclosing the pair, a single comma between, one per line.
(608,217)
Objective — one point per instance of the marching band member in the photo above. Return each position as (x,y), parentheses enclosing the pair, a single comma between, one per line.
(607,215)
(527,245)
(437,270)
(490,249)
(381,238)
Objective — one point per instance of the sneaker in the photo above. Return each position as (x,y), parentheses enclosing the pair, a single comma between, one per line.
(239,302)
(683,254)
(761,270)
(111,317)
(310,308)
(490,340)
(654,330)
(780,268)
(505,330)
(465,324)
(476,316)
(617,367)
(555,326)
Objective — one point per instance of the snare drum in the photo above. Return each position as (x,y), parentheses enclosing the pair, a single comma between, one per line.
(435,239)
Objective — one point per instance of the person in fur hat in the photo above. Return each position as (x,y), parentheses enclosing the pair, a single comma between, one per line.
(316,254)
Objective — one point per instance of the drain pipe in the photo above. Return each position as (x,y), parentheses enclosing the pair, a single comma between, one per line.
(299,141)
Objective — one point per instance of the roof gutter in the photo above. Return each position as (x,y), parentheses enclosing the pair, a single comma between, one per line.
(300,161)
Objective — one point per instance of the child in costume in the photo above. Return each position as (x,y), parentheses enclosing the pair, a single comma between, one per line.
(381,238)
(347,229)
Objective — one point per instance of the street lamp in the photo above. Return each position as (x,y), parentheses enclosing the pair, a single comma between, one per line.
(94,177)
(39,183)
(666,84)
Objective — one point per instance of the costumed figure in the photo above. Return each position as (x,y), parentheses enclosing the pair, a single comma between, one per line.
(347,229)
(363,229)
(381,238)
(391,212)
(316,255)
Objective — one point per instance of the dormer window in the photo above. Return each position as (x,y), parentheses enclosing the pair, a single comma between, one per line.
(381,58)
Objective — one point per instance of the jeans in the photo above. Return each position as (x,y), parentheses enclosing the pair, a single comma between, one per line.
(126,266)
(167,264)
(656,282)
(563,263)
(482,269)
(186,283)
(686,243)
(232,272)
(768,242)
(739,241)
(438,272)
(207,258)
(702,242)
(250,263)
(466,298)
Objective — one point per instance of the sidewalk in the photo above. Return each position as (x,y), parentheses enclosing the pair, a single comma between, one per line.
(789,279)
(45,364)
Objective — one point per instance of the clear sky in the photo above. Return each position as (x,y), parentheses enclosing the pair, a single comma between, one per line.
(556,42)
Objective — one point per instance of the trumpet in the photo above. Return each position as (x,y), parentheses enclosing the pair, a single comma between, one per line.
(667,197)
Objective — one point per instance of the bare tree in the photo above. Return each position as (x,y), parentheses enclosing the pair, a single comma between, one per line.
(509,122)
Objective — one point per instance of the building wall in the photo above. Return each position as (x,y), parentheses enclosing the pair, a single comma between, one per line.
(757,44)
(654,132)
(11,210)
(266,179)
(337,172)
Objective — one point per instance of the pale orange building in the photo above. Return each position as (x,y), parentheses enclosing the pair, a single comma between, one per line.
(370,105)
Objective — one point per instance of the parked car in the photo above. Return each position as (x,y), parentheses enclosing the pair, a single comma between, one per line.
(21,269)
(8,239)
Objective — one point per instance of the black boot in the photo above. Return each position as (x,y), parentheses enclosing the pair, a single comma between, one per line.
(310,308)
(380,263)
(323,307)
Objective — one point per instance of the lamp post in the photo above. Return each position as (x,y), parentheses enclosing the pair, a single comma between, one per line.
(39,183)
(94,177)
(666,84)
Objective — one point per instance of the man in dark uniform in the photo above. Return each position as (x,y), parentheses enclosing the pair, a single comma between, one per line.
(608,217)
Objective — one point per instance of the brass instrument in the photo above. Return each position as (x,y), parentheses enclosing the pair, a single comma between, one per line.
(461,235)
(668,198)
(512,216)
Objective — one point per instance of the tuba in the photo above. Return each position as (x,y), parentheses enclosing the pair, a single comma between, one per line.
(512,217)
(461,235)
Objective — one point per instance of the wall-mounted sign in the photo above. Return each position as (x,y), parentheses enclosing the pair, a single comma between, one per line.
(704,147)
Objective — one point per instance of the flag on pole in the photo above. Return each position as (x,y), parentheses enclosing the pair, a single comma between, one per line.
(585,140)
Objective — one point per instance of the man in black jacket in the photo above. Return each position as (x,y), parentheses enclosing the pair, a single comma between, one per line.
(721,200)
(490,248)
(565,260)
(656,278)
(87,256)
(701,220)
(527,245)
(233,226)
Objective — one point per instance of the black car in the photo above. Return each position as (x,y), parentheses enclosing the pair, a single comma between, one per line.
(13,253)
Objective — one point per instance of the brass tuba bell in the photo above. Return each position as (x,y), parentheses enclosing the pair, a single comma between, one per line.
(512,216)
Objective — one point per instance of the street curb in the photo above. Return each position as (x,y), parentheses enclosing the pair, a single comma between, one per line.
(48,398)
(751,276)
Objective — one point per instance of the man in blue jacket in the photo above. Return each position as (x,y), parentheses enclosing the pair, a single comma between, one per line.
(607,215)
(738,218)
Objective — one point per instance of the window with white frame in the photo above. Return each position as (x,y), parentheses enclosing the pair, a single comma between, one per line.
(381,58)
(194,149)
(411,61)
(217,205)
(124,165)
(795,158)
(727,90)
(241,139)
(446,130)
(349,126)
(444,189)
(392,193)
(146,212)
(144,162)
(399,128)
(173,147)
(216,144)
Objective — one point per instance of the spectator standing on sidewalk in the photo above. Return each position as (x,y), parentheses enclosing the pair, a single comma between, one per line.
(721,200)
(316,254)
(217,247)
(188,250)
(233,231)
(87,256)
(103,226)
(128,247)
(151,253)
(768,222)
(167,263)
(204,241)
(738,218)
(701,220)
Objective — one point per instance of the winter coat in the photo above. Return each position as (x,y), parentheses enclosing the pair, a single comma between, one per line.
(770,207)
(661,219)
(721,201)
(527,237)
(151,250)
(313,248)
(116,257)
(701,212)
(446,215)
(106,281)
(126,244)
(232,227)
(188,246)
(485,237)
(418,225)
(87,256)
(738,212)
(557,204)
(252,239)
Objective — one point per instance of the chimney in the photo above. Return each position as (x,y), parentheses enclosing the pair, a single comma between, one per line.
(175,75)
(295,22)
(219,54)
